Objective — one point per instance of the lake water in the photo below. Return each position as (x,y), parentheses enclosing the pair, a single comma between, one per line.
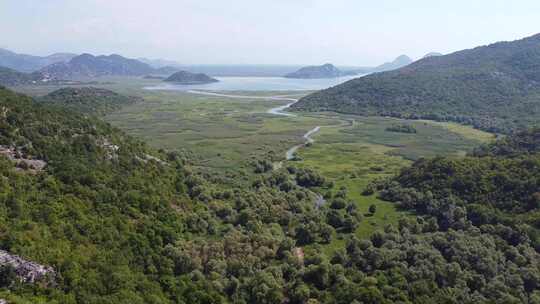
(257,84)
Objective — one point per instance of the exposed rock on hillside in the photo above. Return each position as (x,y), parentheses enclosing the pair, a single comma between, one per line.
(27,271)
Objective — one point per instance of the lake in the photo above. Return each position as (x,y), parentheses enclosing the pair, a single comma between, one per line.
(257,84)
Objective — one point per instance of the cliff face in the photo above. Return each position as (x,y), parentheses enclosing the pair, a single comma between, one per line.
(27,271)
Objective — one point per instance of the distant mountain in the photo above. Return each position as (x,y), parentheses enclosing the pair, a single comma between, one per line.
(166,70)
(29,63)
(399,62)
(432,54)
(88,100)
(494,87)
(9,77)
(87,65)
(159,63)
(241,70)
(184,77)
(312,72)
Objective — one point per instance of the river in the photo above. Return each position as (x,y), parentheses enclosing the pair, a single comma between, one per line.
(281,111)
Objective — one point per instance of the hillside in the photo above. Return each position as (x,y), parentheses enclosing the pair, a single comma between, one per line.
(187,78)
(314,72)
(495,88)
(88,100)
(9,77)
(87,65)
(499,183)
(29,63)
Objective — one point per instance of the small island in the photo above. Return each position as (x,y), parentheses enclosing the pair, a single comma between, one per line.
(187,78)
(315,72)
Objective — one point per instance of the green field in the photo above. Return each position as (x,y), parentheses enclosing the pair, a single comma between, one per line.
(227,134)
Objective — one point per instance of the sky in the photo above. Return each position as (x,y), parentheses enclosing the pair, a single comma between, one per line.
(343,32)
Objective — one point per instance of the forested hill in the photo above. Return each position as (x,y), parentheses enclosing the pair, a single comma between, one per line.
(90,212)
(494,87)
(9,77)
(498,184)
(523,143)
(184,77)
(88,100)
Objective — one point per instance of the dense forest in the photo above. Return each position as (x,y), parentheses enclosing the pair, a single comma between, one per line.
(122,223)
(88,100)
(494,88)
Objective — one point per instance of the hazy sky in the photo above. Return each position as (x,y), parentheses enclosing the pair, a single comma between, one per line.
(345,32)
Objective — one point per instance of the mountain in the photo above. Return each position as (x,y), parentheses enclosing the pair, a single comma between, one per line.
(494,88)
(432,54)
(184,77)
(29,63)
(88,100)
(87,65)
(397,63)
(166,70)
(313,72)
(158,63)
(9,77)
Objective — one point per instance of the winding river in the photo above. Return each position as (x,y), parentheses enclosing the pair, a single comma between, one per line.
(289,155)
(275,111)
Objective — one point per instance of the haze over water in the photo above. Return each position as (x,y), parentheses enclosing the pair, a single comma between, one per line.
(257,84)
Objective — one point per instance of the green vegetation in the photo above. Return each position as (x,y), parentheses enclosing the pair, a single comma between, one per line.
(493,88)
(9,77)
(88,100)
(184,77)
(211,218)
(402,129)
(122,224)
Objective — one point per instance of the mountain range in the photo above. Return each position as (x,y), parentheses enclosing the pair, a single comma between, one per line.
(30,63)
(87,65)
(64,66)
(82,66)
(494,87)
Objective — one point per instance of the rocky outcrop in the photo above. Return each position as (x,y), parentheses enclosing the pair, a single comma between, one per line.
(27,271)
(22,162)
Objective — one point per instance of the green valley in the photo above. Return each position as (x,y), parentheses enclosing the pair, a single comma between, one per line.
(240,169)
